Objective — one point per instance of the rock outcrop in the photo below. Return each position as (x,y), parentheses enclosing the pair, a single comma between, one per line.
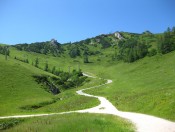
(118,35)
(53,42)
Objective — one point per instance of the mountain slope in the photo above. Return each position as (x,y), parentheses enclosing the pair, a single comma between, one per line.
(18,86)
(21,94)
(145,86)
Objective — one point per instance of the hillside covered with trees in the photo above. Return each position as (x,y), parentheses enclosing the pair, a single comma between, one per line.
(128,48)
(48,47)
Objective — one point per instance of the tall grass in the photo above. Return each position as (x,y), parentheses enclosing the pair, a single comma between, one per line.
(75,123)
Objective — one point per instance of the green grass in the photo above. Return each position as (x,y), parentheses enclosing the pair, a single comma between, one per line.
(61,63)
(146,86)
(9,123)
(75,123)
(18,87)
(18,90)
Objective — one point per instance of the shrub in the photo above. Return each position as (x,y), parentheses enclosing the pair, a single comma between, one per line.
(152,52)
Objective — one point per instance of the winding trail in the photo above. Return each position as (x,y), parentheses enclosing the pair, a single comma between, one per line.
(142,122)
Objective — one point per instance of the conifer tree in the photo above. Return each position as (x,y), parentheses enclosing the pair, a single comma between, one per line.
(86,56)
(53,70)
(46,67)
(36,62)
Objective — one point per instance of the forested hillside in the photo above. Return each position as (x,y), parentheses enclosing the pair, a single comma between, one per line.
(124,46)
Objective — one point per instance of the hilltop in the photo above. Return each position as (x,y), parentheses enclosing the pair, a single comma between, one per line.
(118,46)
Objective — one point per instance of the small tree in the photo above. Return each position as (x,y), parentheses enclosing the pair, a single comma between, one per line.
(53,70)
(74,52)
(27,61)
(46,68)
(5,54)
(8,51)
(86,56)
(86,59)
(152,52)
(173,30)
(36,62)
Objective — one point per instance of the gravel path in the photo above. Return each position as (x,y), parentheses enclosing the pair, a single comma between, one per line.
(142,122)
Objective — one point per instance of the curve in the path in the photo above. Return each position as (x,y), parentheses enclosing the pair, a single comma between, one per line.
(143,123)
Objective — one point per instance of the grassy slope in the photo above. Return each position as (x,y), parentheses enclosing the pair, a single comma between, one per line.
(60,62)
(18,88)
(17,79)
(145,86)
(75,123)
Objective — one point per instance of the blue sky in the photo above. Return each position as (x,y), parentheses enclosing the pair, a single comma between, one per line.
(27,21)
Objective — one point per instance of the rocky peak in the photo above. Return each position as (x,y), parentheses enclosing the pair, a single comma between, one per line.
(53,41)
(118,35)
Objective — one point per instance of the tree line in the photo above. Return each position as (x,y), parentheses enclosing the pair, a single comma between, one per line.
(47,47)
(166,42)
(131,49)
(64,81)
(5,51)
(137,47)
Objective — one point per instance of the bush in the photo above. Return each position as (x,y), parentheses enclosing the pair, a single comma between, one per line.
(37,106)
(74,52)
(152,52)
(8,123)
(98,59)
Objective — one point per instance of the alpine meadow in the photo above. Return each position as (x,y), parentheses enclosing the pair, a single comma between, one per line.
(43,77)
(87,66)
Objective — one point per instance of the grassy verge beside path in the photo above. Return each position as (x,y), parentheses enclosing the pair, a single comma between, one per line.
(74,123)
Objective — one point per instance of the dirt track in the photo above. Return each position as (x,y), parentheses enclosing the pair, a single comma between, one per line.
(142,122)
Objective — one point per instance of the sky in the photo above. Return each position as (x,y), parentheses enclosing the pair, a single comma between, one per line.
(28,21)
